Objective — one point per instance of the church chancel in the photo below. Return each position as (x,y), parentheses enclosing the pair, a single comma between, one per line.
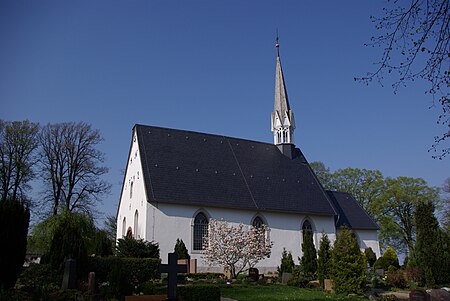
(177,180)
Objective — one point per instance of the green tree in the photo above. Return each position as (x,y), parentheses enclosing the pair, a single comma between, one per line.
(287,263)
(323,174)
(308,261)
(395,210)
(370,256)
(324,261)
(71,166)
(364,184)
(388,259)
(348,264)
(14,220)
(18,144)
(446,207)
(136,248)
(181,249)
(432,248)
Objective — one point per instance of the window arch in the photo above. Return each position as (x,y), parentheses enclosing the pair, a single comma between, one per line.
(129,233)
(136,224)
(306,227)
(200,230)
(258,222)
(124,226)
(131,189)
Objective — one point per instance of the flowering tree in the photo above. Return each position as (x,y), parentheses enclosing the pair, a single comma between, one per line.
(235,247)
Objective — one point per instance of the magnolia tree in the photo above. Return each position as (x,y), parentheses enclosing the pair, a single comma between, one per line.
(235,247)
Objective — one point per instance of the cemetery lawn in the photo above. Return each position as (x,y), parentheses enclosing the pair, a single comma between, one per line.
(276,292)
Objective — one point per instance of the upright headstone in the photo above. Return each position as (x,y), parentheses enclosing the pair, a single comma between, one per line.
(91,283)
(172,269)
(70,275)
(253,273)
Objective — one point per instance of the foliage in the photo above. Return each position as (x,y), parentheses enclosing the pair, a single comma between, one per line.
(396,279)
(41,236)
(308,261)
(137,248)
(298,279)
(432,246)
(103,244)
(14,220)
(181,249)
(200,292)
(287,263)
(38,275)
(348,264)
(18,144)
(110,227)
(323,174)
(395,210)
(236,248)
(413,275)
(389,258)
(71,166)
(206,276)
(370,256)
(414,36)
(324,261)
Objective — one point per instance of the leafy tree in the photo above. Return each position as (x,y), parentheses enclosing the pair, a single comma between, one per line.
(364,184)
(324,261)
(388,259)
(41,236)
(308,261)
(235,247)
(14,220)
(395,210)
(414,36)
(287,263)
(136,248)
(71,166)
(323,174)
(348,264)
(18,144)
(370,256)
(181,250)
(446,211)
(103,244)
(432,246)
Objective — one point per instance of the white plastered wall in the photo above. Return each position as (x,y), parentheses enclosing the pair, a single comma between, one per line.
(368,239)
(167,222)
(133,198)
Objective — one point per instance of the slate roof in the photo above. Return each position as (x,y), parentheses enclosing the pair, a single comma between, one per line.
(184,167)
(350,213)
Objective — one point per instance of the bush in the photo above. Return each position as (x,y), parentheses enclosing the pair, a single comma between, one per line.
(206,276)
(389,258)
(308,262)
(39,275)
(199,293)
(396,279)
(287,263)
(298,278)
(181,250)
(370,256)
(324,260)
(14,220)
(137,248)
(413,277)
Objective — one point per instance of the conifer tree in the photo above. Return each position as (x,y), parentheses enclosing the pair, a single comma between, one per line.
(287,263)
(181,250)
(308,262)
(370,256)
(348,264)
(324,260)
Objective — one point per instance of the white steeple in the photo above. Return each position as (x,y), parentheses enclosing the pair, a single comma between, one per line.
(283,123)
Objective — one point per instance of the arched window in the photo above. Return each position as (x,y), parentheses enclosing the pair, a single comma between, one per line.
(124,226)
(200,230)
(136,223)
(129,233)
(307,227)
(131,189)
(257,222)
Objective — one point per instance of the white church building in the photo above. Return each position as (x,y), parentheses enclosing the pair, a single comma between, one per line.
(176,181)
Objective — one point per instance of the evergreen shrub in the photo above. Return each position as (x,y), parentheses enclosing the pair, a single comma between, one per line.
(206,276)
(308,262)
(287,263)
(370,256)
(14,220)
(324,260)
(137,248)
(199,292)
(181,250)
(396,279)
(389,258)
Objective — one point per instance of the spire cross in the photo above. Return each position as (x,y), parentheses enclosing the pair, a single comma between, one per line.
(277,45)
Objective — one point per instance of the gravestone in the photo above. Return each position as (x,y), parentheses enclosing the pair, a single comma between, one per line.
(91,283)
(285,277)
(70,275)
(439,295)
(172,269)
(253,273)
(419,295)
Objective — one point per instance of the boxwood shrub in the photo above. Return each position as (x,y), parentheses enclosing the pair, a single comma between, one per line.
(200,292)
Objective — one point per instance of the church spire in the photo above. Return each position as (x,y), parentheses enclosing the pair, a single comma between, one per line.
(283,123)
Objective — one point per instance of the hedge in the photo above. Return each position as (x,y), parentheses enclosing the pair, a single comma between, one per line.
(199,292)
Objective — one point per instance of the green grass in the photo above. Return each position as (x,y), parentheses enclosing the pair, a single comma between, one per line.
(279,292)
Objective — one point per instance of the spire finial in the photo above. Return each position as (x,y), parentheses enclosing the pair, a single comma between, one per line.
(277,45)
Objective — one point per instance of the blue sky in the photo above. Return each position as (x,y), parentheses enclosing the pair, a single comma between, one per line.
(209,66)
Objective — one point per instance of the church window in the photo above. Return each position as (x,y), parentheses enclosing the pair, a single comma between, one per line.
(257,222)
(124,226)
(131,189)
(200,230)
(136,223)
(307,227)
(129,233)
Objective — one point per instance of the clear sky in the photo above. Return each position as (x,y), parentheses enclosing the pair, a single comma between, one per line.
(209,66)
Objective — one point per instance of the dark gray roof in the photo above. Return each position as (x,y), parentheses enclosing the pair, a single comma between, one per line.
(193,168)
(350,213)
